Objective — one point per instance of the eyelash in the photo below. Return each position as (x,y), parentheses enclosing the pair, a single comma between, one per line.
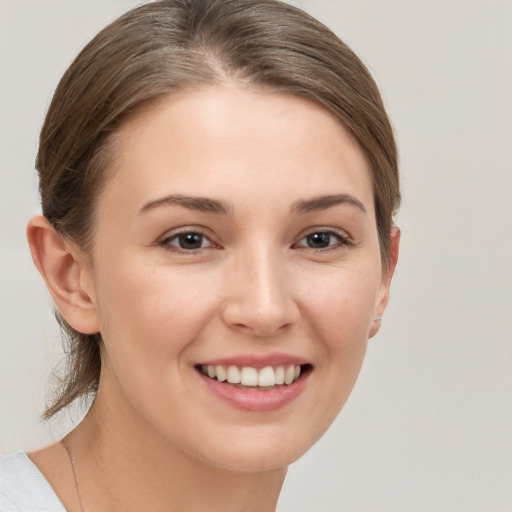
(166,242)
(343,240)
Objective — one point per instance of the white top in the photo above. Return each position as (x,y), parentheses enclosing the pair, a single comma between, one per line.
(23,488)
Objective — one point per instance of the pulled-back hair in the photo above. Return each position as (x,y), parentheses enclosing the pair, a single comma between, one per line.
(168,45)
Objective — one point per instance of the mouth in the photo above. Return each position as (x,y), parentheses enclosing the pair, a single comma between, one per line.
(255,379)
(257,389)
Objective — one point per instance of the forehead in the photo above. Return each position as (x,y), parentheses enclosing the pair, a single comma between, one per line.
(236,143)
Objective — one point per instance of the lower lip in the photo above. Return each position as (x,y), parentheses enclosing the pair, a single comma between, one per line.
(254,400)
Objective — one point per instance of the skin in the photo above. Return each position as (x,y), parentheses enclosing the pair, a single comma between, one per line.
(155,437)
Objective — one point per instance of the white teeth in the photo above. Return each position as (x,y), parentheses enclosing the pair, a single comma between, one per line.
(288,376)
(249,376)
(280,375)
(233,375)
(266,377)
(221,373)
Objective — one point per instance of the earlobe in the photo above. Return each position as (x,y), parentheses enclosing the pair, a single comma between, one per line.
(61,267)
(387,275)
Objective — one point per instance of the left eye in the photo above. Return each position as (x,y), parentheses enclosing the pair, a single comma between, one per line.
(321,240)
(188,241)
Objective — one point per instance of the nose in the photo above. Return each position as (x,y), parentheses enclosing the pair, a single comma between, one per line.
(260,301)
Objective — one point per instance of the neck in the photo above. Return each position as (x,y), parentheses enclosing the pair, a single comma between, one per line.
(120,465)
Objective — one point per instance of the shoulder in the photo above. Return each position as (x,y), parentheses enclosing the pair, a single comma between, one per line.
(23,488)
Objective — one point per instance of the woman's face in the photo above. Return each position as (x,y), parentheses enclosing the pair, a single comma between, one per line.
(238,230)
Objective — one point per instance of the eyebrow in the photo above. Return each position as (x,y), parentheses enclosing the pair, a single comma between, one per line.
(200,204)
(208,205)
(324,202)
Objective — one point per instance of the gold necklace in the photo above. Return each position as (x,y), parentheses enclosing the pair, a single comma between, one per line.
(68,450)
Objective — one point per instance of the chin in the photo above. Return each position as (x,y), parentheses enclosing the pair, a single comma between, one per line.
(262,449)
(253,462)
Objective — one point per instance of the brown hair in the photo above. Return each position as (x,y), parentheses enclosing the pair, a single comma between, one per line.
(168,45)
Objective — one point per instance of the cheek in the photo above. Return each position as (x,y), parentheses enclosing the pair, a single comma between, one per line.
(153,314)
(341,306)
(150,319)
(341,312)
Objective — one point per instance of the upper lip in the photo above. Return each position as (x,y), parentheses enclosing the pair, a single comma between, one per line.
(257,361)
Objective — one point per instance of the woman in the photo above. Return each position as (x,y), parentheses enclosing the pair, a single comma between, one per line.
(218,182)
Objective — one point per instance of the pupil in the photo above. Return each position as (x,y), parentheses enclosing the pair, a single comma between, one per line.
(319,240)
(191,240)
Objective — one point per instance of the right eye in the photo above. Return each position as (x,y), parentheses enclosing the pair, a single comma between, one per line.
(187,241)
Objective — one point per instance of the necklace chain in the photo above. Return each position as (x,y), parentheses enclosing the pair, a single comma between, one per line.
(72,460)
(70,455)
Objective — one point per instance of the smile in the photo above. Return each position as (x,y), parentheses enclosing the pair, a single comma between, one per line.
(255,388)
(254,378)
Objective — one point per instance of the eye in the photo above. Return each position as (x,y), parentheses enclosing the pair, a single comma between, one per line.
(187,241)
(320,240)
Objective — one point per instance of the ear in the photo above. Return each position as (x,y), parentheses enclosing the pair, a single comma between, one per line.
(65,270)
(387,275)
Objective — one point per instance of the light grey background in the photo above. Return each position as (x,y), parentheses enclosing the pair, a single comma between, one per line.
(429,425)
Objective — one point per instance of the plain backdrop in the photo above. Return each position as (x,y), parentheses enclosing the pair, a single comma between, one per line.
(429,424)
